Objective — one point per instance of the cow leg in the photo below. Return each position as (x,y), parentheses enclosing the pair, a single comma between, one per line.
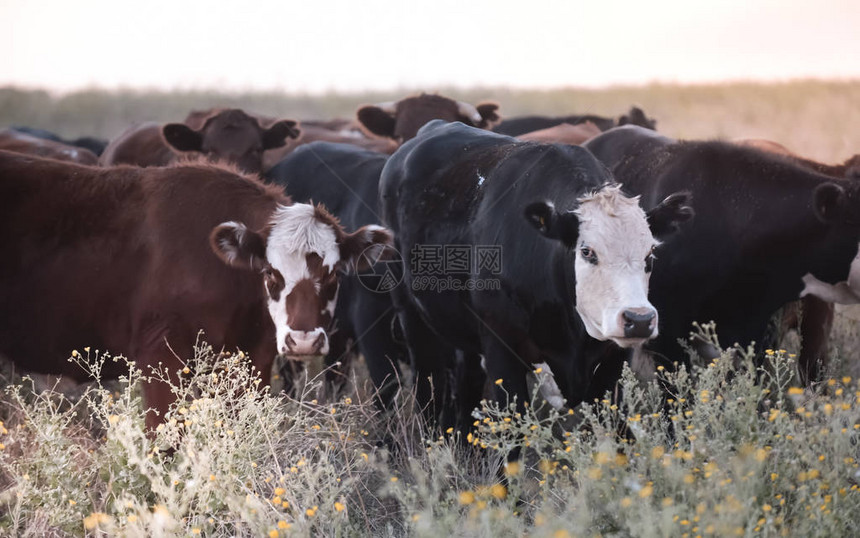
(815,324)
(338,362)
(508,372)
(157,396)
(431,359)
(471,379)
(381,352)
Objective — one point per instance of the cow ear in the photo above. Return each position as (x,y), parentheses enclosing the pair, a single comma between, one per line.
(365,247)
(182,137)
(666,217)
(489,115)
(276,135)
(550,223)
(239,247)
(828,201)
(377,121)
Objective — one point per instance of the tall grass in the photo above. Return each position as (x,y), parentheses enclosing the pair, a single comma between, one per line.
(736,450)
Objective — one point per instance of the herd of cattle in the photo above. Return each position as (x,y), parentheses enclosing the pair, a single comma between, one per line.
(610,240)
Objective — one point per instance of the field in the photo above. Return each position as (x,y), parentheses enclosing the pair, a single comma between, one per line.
(741,450)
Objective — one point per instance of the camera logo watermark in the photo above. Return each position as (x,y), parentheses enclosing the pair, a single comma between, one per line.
(434,268)
(385,272)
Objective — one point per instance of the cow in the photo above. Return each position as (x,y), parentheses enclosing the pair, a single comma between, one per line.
(399,121)
(138,260)
(812,316)
(848,169)
(563,259)
(763,225)
(228,135)
(345,178)
(563,134)
(337,130)
(20,142)
(90,143)
(312,133)
(526,124)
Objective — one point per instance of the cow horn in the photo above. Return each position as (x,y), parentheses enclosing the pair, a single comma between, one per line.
(389,107)
(469,111)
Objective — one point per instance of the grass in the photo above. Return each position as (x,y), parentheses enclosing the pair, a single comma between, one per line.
(737,451)
(814,118)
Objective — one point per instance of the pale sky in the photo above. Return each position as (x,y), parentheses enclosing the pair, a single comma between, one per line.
(354,45)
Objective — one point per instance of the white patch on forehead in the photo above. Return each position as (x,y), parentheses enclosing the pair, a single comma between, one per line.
(615,228)
(296,230)
(295,233)
(481,179)
(615,224)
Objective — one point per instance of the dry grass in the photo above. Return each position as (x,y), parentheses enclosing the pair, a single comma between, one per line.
(814,118)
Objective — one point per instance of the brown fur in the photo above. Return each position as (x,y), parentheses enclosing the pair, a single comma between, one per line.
(311,131)
(412,113)
(563,134)
(224,134)
(23,143)
(119,259)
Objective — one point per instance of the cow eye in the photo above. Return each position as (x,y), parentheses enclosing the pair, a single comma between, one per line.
(588,255)
(649,261)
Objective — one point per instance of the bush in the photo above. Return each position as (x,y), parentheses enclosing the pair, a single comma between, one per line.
(731,449)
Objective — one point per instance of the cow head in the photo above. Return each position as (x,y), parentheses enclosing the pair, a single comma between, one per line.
(401,120)
(836,206)
(231,135)
(613,241)
(299,258)
(636,116)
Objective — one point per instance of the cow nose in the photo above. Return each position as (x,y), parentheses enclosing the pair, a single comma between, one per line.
(305,342)
(638,322)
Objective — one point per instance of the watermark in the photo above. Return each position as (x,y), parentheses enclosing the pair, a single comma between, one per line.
(456,259)
(449,283)
(385,269)
(434,268)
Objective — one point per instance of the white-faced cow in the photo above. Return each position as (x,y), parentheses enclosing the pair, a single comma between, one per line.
(763,223)
(345,179)
(228,135)
(559,261)
(138,260)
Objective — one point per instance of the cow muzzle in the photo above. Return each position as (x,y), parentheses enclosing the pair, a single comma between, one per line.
(303,345)
(638,322)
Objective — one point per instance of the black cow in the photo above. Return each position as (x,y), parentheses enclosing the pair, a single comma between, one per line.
(527,124)
(96,145)
(570,282)
(344,178)
(762,224)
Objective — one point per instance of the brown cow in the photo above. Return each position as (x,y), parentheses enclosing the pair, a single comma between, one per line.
(312,133)
(400,120)
(812,316)
(228,135)
(337,130)
(848,169)
(565,133)
(138,260)
(12,140)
